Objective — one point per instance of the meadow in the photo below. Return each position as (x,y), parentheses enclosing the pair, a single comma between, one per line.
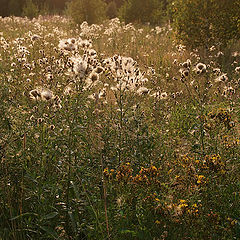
(116,131)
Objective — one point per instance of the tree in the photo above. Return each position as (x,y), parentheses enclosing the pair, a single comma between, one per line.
(143,11)
(111,10)
(84,10)
(30,9)
(204,23)
(15,7)
(4,11)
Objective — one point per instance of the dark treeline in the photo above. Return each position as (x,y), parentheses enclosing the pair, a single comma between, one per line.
(15,7)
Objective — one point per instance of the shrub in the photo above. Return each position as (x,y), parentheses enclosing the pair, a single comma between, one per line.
(85,10)
(30,9)
(14,7)
(142,11)
(204,23)
(111,10)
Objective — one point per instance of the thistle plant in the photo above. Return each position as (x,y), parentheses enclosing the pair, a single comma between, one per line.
(102,138)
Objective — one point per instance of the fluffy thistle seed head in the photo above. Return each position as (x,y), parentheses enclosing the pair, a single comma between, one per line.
(222,78)
(163,95)
(201,68)
(67,44)
(94,76)
(184,72)
(143,91)
(35,37)
(46,95)
(35,94)
(99,70)
(237,69)
(187,64)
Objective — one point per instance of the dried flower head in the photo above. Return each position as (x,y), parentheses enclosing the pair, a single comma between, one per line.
(201,68)
(237,69)
(143,91)
(46,95)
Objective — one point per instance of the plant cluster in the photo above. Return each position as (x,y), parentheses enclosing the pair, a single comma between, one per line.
(112,131)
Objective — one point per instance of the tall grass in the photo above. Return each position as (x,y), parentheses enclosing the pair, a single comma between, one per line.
(146,149)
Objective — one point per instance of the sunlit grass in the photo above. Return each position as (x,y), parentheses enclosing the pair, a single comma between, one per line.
(115,131)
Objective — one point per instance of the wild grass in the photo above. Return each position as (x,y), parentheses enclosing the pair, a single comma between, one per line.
(148,148)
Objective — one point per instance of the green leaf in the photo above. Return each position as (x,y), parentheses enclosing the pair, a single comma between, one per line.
(23,215)
(126,231)
(50,215)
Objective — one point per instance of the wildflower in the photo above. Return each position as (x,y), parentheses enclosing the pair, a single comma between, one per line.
(35,37)
(46,95)
(175,61)
(35,94)
(231,124)
(68,90)
(94,76)
(200,68)
(163,95)
(85,44)
(93,96)
(40,120)
(67,44)
(228,91)
(80,67)
(232,221)
(49,76)
(184,72)
(92,53)
(51,127)
(212,48)
(102,93)
(187,64)
(219,54)
(217,71)
(143,91)
(222,78)
(235,54)
(120,201)
(99,70)
(200,179)
(106,172)
(237,69)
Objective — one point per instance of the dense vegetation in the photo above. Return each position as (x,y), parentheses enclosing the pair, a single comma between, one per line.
(197,23)
(120,131)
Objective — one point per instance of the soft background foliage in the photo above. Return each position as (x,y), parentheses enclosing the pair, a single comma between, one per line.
(202,23)
(91,11)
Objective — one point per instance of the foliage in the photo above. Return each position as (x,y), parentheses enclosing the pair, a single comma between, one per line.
(14,7)
(30,9)
(114,131)
(142,11)
(84,10)
(111,10)
(204,23)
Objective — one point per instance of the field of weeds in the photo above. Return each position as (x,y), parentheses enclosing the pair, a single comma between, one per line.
(116,132)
